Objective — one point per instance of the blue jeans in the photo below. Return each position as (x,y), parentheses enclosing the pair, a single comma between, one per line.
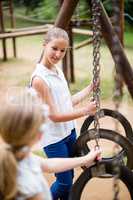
(63,149)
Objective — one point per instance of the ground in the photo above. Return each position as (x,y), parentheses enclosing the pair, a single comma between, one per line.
(16,73)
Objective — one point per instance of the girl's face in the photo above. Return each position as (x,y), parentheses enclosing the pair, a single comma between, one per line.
(54,51)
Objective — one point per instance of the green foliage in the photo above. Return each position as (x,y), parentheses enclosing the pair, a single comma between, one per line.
(30,5)
(38,9)
(78,85)
(128,39)
(129,6)
(107,86)
(48,9)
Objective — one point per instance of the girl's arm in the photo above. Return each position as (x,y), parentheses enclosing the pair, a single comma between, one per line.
(56,165)
(79,96)
(45,94)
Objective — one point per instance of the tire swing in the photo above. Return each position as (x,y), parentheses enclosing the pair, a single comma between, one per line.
(110,113)
(106,167)
(125,175)
(81,147)
(98,133)
(124,142)
(118,93)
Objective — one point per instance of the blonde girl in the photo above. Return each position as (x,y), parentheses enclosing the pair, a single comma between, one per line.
(21,172)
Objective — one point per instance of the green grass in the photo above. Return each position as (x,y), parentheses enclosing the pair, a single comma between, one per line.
(106,87)
(24,81)
(78,85)
(79,38)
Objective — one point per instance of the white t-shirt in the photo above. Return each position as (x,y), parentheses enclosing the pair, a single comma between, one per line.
(31,180)
(54,132)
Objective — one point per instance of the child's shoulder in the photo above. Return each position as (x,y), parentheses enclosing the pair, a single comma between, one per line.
(32,161)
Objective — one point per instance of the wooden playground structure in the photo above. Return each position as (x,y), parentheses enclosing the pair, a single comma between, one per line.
(112,33)
(113,36)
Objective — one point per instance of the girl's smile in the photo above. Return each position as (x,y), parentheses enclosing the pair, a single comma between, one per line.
(54,51)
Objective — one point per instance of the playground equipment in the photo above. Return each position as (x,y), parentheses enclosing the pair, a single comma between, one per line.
(101,168)
(125,175)
(123,67)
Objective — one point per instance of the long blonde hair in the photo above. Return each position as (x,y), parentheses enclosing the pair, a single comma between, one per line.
(19,125)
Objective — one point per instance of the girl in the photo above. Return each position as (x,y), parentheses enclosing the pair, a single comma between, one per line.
(50,84)
(21,172)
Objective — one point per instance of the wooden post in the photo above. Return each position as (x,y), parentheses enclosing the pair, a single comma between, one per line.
(68,65)
(112,40)
(65,24)
(65,13)
(65,66)
(118,24)
(12,26)
(2,29)
(71,57)
(65,59)
(122,21)
(118,19)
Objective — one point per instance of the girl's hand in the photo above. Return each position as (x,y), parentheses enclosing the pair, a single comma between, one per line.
(92,156)
(90,108)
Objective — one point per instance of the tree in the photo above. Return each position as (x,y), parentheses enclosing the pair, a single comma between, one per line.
(30,5)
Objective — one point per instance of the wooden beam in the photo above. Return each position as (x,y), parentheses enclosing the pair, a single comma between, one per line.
(65,60)
(118,18)
(81,22)
(22,33)
(71,55)
(82,31)
(2,28)
(12,19)
(66,10)
(118,24)
(9,30)
(83,43)
(65,13)
(113,41)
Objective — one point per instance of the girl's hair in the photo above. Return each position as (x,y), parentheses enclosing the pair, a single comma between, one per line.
(8,174)
(20,120)
(55,33)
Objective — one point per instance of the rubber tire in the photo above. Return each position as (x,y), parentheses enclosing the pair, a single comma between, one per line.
(126,176)
(114,114)
(81,147)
